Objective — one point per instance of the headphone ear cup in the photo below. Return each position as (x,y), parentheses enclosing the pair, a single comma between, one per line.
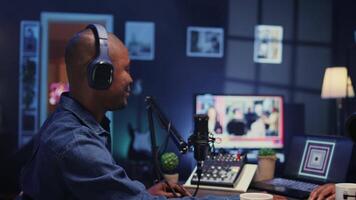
(90,76)
(100,70)
(100,75)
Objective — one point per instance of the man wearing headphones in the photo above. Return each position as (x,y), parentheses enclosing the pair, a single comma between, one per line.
(71,156)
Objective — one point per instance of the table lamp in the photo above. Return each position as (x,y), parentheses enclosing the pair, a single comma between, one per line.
(337,85)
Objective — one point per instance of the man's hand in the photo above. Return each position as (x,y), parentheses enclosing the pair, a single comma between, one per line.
(326,191)
(162,189)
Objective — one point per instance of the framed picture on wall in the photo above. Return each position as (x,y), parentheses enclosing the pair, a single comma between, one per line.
(268,44)
(205,42)
(30,37)
(139,39)
(29,80)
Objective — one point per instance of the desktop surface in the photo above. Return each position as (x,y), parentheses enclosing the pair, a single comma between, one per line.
(205,192)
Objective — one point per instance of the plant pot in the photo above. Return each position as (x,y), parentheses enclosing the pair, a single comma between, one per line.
(265,169)
(171,178)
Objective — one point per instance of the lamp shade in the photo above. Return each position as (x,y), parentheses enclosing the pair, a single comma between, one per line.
(335,83)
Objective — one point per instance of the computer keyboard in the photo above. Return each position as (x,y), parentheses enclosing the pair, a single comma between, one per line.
(220,170)
(293,184)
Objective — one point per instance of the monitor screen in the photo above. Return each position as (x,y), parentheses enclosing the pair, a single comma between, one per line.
(241,121)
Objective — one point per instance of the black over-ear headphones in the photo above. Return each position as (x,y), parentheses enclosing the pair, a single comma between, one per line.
(100,69)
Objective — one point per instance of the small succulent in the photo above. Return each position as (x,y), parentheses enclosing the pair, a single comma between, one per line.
(266,152)
(169,162)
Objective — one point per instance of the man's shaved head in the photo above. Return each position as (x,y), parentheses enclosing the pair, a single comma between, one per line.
(80,51)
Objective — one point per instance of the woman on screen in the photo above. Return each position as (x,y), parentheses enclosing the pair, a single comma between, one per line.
(214,122)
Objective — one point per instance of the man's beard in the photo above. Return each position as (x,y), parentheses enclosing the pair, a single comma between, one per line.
(120,106)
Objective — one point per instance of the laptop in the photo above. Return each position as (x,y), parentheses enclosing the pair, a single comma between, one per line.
(311,161)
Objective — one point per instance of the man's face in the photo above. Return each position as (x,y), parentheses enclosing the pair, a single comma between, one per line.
(120,88)
(116,96)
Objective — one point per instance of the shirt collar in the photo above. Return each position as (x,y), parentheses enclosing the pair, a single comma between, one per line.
(70,104)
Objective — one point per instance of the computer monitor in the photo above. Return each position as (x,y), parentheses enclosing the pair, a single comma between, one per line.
(241,121)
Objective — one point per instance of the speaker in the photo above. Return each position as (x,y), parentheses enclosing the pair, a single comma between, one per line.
(350,126)
(293,123)
(100,69)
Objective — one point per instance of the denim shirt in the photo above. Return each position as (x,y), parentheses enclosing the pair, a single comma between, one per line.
(70,160)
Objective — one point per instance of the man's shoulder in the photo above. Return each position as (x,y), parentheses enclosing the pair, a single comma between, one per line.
(62,131)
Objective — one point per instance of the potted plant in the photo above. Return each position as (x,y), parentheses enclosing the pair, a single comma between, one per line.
(169,164)
(266,164)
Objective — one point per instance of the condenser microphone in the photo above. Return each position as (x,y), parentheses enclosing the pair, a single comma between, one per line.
(200,139)
(351,126)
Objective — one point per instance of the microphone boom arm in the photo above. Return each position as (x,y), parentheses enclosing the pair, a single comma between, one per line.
(196,139)
(178,140)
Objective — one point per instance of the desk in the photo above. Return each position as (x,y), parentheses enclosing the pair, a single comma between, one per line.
(243,184)
(204,192)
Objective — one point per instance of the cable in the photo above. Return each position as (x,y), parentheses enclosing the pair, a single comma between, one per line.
(199,172)
(171,188)
(160,152)
(165,144)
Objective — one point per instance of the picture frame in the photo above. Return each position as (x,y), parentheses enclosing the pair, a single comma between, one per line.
(205,42)
(140,40)
(29,80)
(268,44)
(30,33)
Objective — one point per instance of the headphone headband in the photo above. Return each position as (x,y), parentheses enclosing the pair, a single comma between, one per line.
(100,70)
(99,31)
(101,39)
